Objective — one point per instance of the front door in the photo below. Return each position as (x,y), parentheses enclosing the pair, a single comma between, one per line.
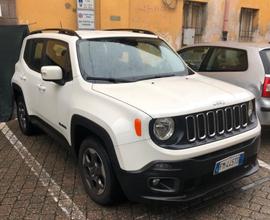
(53,97)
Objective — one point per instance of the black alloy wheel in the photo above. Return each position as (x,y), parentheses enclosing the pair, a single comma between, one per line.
(97,173)
(23,118)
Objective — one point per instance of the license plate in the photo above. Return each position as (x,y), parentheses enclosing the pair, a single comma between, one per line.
(229,163)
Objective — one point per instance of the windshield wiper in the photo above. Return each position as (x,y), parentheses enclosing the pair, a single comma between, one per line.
(119,80)
(114,80)
(156,76)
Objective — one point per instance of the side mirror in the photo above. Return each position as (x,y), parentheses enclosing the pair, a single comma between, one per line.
(52,73)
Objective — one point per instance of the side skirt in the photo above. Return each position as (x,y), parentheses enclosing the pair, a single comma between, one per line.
(53,133)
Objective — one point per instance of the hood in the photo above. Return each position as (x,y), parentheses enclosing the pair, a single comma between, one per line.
(174,96)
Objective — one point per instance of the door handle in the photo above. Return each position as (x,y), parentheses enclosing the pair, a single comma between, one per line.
(41,88)
(23,78)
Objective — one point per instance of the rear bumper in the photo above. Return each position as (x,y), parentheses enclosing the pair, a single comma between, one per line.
(188,179)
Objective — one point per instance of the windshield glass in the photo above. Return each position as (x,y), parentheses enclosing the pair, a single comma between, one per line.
(128,59)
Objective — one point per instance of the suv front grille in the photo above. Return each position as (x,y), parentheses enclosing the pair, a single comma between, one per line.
(216,122)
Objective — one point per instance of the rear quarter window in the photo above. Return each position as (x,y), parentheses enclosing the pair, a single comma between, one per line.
(265,56)
(225,60)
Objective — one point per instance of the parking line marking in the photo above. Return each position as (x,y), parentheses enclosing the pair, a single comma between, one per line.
(264,165)
(256,183)
(66,204)
(259,181)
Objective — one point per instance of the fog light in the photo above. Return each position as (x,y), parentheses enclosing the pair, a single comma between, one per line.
(155,182)
(163,184)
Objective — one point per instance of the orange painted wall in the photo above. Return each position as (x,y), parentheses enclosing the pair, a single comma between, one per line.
(115,8)
(47,13)
(156,16)
(263,33)
(149,14)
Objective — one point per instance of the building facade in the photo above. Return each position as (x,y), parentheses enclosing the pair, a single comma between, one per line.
(181,22)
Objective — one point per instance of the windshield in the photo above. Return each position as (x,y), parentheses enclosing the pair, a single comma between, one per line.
(128,59)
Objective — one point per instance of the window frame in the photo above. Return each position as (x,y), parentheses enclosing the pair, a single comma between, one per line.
(84,74)
(65,78)
(188,18)
(265,61)
(194,47)
(211,50)
(253,24)
(45,41)
(32,41)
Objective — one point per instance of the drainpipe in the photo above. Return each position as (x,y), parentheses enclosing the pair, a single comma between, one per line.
(226,20)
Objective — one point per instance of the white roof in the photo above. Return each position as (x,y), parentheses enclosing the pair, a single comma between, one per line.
(90,34)
(104,34)
(239,45)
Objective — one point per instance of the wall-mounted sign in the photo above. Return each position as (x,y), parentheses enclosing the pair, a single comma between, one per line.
(115,18)
(86,14)
(86,20)
(85,4)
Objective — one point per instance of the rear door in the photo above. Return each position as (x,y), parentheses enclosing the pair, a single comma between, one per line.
(227,64)
(237,66)
(30,74)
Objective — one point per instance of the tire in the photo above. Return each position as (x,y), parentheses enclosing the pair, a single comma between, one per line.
(26,126)
(97,173)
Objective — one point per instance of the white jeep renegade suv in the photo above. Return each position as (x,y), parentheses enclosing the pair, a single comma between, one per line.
(138,120)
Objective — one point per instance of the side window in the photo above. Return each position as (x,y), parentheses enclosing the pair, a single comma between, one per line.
(265,56)
(33,54)
(225,60)
(194,56)
(57,54)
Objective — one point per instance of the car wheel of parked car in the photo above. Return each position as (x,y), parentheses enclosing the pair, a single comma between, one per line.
(23,117)
(97,174)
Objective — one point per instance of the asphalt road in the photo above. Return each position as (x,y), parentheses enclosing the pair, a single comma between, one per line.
(39,180)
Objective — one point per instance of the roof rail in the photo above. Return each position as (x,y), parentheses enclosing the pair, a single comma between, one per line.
(142,31)
(59,30)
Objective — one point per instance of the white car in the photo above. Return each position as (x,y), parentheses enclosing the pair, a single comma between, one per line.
(243,64)
(138,120)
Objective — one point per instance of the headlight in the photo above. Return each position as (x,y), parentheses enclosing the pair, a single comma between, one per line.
(250,109)
(163,128)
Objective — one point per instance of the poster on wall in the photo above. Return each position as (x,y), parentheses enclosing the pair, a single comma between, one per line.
(86,20)
(86,14)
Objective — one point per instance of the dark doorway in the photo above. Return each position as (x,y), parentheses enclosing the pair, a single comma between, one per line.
(11,38)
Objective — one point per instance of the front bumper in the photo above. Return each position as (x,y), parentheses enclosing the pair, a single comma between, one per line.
(188,179)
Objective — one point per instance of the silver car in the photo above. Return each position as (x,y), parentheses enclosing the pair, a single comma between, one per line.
(243,64)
